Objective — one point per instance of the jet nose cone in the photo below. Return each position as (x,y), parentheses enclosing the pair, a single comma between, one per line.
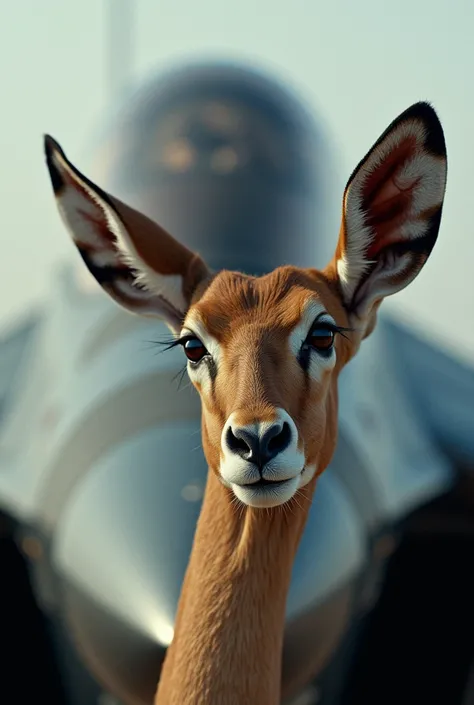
(121,550)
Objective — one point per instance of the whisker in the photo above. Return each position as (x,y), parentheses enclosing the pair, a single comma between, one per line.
(186,386)
(180,374)
(297,502)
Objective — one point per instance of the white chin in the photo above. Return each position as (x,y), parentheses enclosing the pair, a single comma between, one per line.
(266,496)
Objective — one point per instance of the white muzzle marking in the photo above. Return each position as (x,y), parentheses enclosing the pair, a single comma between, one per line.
(263,473)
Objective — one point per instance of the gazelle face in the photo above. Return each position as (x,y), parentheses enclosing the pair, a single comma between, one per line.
(265,353)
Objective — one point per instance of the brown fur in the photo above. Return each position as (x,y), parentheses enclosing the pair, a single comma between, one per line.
(231,614)
(228,632)
(252,319)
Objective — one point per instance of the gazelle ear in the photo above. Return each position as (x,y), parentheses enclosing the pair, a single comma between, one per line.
(391,211)
(134,260)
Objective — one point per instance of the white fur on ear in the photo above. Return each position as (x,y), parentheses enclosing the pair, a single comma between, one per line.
(107,247)
(169,286)
(392,208)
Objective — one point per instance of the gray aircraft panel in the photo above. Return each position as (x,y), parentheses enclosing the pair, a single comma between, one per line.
(377,414)
(441,389)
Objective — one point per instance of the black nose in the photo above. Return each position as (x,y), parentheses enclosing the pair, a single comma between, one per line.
(259,449)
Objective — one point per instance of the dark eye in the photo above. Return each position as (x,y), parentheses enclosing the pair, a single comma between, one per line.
(194,349)
(321,338)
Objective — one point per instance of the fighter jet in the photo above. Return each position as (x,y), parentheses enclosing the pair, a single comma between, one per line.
(101,469)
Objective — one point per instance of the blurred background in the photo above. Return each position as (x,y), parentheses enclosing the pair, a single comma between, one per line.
(357,64)
(94,531)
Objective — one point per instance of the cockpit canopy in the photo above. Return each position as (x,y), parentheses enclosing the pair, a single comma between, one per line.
(228,160)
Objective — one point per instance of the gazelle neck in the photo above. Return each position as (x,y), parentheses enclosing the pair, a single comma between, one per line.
(227,646)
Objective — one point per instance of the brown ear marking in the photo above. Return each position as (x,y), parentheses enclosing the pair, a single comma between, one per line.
(420,249)
(434,142)
(138,263)
(171,257)
(392,209)
(171,252)
(197,276)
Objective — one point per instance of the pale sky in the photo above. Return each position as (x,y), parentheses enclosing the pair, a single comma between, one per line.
(358,63)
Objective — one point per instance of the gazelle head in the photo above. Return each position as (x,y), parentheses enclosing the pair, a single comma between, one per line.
(265,352)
